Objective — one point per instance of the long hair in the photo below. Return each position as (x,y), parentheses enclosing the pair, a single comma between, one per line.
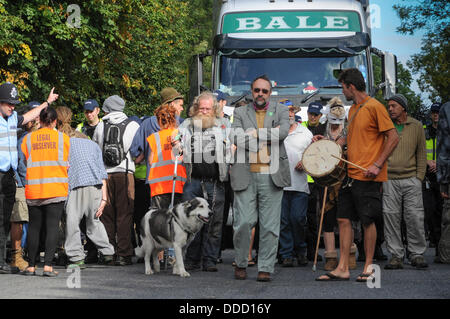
(205,95)
(64,120)
(165,114)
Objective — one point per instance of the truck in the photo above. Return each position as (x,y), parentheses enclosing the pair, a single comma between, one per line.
(301,45)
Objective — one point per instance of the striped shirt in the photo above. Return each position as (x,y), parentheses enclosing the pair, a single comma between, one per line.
(86,164)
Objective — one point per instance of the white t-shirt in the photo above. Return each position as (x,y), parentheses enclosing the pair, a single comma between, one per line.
(296,143)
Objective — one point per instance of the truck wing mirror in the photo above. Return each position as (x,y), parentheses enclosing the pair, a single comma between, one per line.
(388,73)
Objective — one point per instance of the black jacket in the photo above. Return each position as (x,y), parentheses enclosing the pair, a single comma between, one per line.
(443,145)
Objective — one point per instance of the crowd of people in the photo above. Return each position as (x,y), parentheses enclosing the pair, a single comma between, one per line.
(82,192)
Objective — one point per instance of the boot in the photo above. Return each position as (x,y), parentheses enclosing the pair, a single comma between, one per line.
(17,260)
(331,260)
(352,257)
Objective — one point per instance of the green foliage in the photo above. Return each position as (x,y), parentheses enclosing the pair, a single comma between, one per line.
(432,63)
(132,48)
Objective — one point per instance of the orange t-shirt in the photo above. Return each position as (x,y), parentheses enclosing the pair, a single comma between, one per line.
(365,139)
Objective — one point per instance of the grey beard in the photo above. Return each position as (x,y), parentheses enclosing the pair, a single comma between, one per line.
(205,121)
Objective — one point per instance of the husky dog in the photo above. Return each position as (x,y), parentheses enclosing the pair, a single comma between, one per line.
(168,228)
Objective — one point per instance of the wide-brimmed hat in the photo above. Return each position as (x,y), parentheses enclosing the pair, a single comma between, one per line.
(169,95)
(9,93)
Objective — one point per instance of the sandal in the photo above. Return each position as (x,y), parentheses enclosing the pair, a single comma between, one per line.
(332,277)
(363,277)
(50,273)
(28,273)
(251,262)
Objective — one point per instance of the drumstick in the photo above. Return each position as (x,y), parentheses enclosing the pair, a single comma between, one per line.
(320,227)
(364,169)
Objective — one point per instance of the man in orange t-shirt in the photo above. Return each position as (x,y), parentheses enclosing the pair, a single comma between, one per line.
(370,140)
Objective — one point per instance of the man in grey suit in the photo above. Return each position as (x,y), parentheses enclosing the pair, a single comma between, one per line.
(258,174)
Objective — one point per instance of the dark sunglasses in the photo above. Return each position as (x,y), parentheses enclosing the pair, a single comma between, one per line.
(257,90)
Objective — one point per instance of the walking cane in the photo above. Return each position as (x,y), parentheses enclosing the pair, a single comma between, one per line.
(173,183)
(172,199)
(320,227)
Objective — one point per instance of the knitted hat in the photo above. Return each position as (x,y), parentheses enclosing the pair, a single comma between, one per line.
(400,99)
(169,95)
(113,104)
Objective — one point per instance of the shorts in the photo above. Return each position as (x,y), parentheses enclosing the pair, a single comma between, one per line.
(360,200)
(20,209)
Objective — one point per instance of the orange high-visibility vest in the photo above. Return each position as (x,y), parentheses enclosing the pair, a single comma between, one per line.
(162,164)
(47,155)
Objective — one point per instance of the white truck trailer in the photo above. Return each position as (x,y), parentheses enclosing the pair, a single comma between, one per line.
(301,45)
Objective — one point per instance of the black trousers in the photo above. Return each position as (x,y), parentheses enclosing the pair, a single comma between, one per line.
(50,215)
(7,198)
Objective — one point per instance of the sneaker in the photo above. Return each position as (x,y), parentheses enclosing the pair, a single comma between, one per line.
(287,262)
(107,260)
(76,264)
(124,261)
(419,262)
(394,263)
(7,269)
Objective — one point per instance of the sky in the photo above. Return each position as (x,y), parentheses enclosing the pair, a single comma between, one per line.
(386,38)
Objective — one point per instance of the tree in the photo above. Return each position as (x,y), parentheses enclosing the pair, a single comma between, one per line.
(432,62)
(132,48)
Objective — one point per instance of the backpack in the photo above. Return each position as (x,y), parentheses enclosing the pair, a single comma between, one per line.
(113,150)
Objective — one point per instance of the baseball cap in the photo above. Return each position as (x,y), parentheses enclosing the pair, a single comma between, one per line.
(435,107)
(90,105)
(221,95)
(9,93)
(33,104)
(314,108)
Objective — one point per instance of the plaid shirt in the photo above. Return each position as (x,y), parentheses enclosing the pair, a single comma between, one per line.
(86,164)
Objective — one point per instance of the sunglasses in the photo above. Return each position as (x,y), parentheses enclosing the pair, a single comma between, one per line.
(257,90)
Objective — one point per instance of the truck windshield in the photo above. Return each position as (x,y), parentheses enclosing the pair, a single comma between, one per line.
(289,75)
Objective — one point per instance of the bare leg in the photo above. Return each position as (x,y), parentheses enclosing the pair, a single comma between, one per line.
(345,240)
(370,238)
(328,238)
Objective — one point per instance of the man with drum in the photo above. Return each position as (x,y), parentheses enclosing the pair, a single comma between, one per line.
(371,138)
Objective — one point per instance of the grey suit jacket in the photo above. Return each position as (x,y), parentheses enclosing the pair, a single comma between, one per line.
(277,116)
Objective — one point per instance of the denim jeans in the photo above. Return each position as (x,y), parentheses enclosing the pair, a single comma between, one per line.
(293,224)
(207,241)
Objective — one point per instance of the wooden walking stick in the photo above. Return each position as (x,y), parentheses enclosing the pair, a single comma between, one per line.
(320,227)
